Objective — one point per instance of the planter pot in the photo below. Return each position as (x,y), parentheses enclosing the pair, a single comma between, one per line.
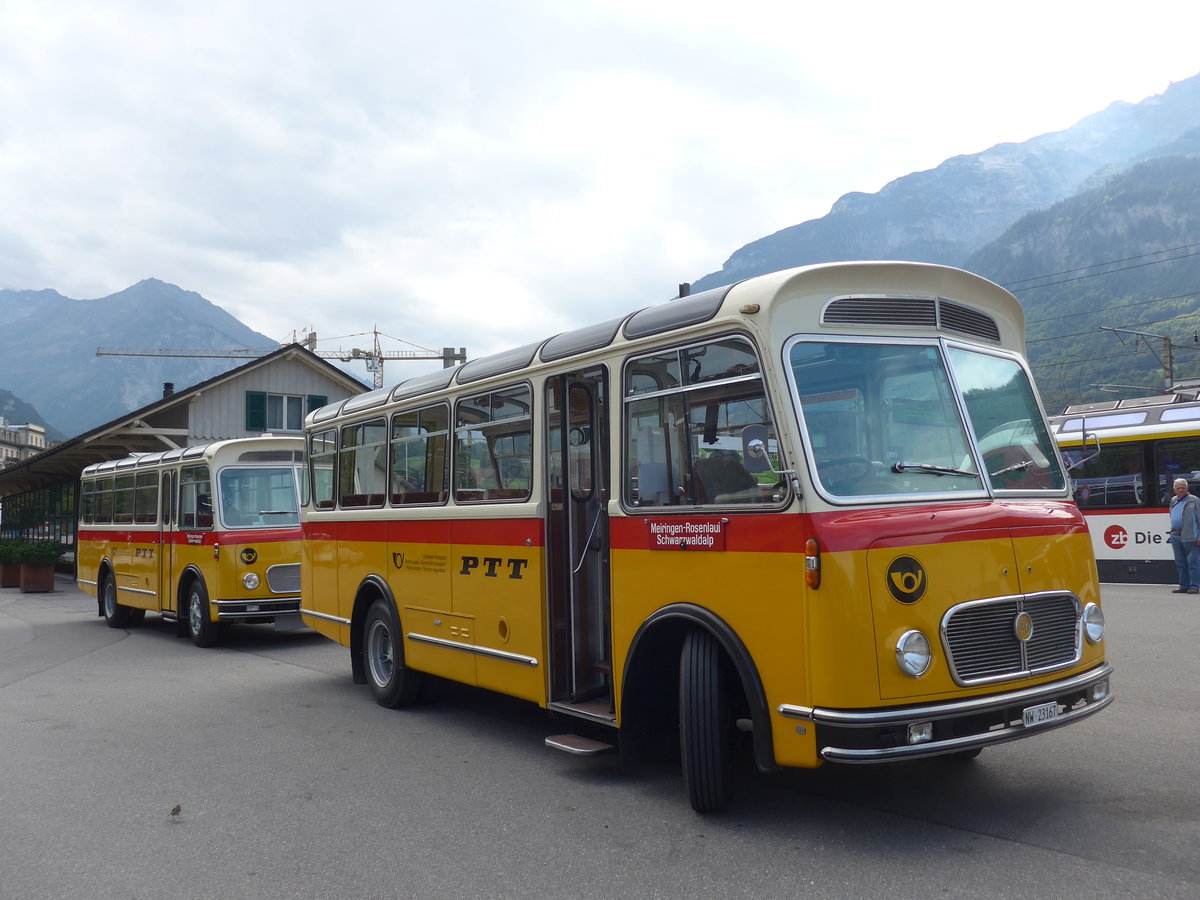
(10,574)
(37,579)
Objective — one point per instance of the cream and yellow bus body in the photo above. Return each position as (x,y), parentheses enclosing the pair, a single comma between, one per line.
(794,602)
(156,535)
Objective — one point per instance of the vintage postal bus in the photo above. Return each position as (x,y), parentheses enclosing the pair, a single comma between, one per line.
(1125,490)
(813,516)
(203,536)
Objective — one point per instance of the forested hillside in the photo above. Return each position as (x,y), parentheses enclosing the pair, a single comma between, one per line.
(1125,254)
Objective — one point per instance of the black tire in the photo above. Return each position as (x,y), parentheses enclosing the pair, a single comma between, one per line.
(706,724)
(203,631)
(392,683)
(115,615)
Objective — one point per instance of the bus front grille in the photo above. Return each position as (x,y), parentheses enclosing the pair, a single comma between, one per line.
(284,578)
(982,643)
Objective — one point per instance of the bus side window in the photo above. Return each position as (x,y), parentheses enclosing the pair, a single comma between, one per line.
(1178,458)
(685,425)
(195,498)
(322,453)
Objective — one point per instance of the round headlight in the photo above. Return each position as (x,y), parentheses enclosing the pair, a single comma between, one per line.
(912,653)
(1093,623)
(250,580)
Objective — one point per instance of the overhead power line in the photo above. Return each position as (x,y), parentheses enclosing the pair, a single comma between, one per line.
(1022,284)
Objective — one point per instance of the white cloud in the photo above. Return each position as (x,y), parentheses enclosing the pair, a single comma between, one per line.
(485,174)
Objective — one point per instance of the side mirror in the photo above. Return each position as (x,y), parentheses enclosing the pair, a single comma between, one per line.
(755,457)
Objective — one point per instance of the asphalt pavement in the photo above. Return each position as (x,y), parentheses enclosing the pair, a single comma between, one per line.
(291,782)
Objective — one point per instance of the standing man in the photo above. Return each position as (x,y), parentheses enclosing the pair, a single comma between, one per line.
(1185,532)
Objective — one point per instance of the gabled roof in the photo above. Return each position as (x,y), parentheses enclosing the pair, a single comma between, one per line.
(130,433)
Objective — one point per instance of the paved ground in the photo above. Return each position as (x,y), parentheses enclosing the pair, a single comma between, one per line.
(294,784)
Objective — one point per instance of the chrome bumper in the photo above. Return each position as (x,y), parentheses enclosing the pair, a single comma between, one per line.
(266,608)
(879,735)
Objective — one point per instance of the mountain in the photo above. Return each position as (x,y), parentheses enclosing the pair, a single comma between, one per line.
(945,214)
(48,349)
(1124,254)
(16,411)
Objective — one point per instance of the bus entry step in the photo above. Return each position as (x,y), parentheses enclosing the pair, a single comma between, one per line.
(577,744)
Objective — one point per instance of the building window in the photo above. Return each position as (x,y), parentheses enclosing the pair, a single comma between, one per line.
(279,412)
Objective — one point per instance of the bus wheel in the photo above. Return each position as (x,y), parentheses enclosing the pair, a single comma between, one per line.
(203,631)
(115,615)
(392,683)
(706,727)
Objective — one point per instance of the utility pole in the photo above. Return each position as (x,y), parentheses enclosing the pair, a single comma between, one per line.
(1166,359)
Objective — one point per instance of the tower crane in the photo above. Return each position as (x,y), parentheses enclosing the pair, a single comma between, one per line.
(373,358)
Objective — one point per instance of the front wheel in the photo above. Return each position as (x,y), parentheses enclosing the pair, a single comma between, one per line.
(392,683)
(203,631)
(706,723)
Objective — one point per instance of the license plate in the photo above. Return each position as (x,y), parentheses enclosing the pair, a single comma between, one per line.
(1040,714)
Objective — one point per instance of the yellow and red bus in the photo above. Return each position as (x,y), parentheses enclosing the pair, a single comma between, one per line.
(816,514)
(203,535)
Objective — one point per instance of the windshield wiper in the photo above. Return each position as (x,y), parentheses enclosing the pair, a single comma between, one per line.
(901,467)
(1015,467)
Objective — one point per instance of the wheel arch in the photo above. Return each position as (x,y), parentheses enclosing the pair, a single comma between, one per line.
(104,571)
(650,680)
(190,573)
(370,589)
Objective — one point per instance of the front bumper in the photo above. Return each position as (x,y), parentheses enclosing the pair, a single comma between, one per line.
(264,608)
(881,735)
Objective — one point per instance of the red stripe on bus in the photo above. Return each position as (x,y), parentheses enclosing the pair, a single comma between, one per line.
(527,532)
(858,529)
(191,538)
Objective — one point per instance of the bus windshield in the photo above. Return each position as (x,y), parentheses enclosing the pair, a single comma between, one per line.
(884,419)
(258,497)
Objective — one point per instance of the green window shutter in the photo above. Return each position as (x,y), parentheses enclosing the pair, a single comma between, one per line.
(316,401)
(256,410)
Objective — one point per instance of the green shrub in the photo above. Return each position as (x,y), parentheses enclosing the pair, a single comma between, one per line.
(8,551)
(39,553)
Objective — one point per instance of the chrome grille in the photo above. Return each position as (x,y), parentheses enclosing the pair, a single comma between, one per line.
(982,645)
(284,578)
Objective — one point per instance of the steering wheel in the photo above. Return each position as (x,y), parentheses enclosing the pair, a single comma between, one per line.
(844,474)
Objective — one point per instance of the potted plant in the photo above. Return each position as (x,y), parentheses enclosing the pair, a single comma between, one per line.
(37,560)
(10,566)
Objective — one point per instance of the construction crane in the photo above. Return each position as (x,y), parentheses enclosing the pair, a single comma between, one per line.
(373,358)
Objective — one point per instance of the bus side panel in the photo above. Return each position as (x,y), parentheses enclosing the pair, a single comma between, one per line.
(498,579)
(755,584)
(193,549)
(319,579)
(125,551)
(419,567)
(361,551)
(90,547)
(142,573)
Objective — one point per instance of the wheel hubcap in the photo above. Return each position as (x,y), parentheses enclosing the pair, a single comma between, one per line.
(379,654)
(195,613)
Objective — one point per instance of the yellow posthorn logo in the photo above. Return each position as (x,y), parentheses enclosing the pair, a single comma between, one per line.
(249,555)
(906,579)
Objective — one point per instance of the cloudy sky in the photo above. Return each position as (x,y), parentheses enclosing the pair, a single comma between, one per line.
(484,174)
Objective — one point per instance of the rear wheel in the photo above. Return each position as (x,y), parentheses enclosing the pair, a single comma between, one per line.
(203,631)
(706,724)
(392,683)
(115,615)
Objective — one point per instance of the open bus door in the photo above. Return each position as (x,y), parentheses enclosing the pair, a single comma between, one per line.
(577,542)
(166,546)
